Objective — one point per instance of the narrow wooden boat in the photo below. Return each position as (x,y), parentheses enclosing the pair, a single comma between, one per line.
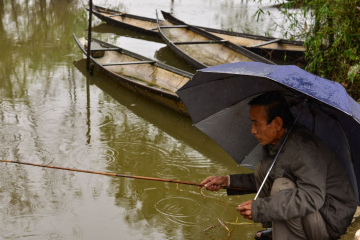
(253,42)
(142,75)
(124,20)
(200,48)
(249,41)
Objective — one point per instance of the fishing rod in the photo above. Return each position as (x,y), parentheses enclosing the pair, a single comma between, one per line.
(116,174)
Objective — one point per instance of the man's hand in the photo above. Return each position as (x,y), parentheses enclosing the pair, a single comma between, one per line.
(245,209)
(214,183)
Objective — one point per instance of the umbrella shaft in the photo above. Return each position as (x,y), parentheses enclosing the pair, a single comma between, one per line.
(272,165)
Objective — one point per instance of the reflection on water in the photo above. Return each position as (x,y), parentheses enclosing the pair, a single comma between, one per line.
(185,209)
(39,227)
(52,112)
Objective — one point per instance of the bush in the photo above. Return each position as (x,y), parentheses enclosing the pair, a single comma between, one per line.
(332,39)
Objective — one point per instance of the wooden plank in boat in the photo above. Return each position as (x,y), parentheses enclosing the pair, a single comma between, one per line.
(267,43)
(126,63)
(115,15)
(104,49)
(95,46)
(200,42)
(176,26)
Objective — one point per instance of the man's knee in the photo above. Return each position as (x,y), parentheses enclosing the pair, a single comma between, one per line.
(312,226)
(281,184)
(315,226)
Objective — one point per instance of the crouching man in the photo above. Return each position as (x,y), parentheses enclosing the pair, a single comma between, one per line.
(307,194)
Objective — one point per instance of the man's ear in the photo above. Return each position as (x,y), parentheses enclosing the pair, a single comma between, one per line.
(278,123)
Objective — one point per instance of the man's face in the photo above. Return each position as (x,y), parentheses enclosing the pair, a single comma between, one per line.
(265,133)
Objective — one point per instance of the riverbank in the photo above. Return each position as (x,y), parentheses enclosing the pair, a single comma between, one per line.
(353,228)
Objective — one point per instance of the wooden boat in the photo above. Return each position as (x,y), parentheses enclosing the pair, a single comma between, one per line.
(124,20)
(200,48)
(142,75)
(252,42)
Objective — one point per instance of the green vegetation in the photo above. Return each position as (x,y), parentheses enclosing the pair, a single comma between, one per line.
(331,31)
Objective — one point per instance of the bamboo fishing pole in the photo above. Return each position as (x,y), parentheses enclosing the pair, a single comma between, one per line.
(117,175)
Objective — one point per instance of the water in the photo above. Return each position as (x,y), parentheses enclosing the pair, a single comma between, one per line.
(52,112)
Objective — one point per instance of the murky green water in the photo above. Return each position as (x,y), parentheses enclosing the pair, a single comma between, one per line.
(52,112)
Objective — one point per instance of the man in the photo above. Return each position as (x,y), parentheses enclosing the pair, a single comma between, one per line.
(307,194)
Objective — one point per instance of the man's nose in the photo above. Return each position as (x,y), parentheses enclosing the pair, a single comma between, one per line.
(253,130)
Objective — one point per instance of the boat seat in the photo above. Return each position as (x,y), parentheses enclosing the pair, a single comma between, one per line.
(175,26)
(98,47)
(200,42)
(115,15)
(101,11)
(127,63)
(267,43)
(97,50)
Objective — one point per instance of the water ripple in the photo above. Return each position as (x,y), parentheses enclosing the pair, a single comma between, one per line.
(50,207)
(38,227)
(181,210)
(11,210)
(172,171)
(93,156)
(54,182)
(105,118)
(136,157)
(12,133)
(53,235)
(11,185)
(142,149)
(6,106)
(195,162)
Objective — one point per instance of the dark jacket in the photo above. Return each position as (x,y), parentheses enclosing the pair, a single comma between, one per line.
(322,183)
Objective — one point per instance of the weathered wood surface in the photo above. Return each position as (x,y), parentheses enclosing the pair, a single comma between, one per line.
(252,42)
(211,54)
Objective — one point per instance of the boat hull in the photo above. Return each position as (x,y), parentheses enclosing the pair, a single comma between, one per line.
(146,77)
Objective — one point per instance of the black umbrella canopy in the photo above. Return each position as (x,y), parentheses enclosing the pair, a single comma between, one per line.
(217,100)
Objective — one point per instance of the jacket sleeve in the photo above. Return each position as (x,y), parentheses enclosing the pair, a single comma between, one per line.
(310,171)
(246,181)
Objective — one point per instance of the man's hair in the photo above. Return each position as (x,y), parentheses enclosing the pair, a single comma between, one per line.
(275,106)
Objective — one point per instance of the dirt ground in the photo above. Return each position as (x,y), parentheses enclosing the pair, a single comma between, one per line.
(355,225)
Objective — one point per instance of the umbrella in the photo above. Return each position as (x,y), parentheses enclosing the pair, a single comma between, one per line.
(217,101)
